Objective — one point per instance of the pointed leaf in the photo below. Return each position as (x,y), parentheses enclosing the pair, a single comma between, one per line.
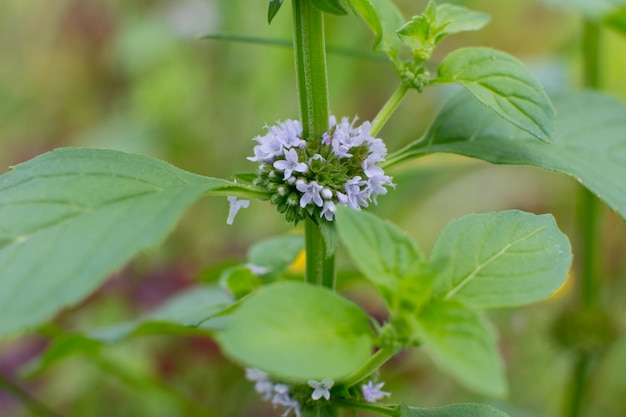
(330,6)
(589,141)
(456,410)
(461,342)
(504,85)
(71,217)
(383,18)
(272,9)
(382,252)
(298,331)
(453,19)
(501,259)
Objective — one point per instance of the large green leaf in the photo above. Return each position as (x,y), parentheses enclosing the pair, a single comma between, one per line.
(501,259)
(503,84)
(71,217)
(456,410)
(617,20)
(462,342)
(589,141)
(383,18)
(298,331)
(382,252)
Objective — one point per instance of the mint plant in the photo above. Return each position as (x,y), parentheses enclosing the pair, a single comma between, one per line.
(71,217)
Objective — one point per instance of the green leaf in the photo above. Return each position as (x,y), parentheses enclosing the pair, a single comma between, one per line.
(276,253)
(423,32)
(330,6)
(272,9)
(185,313)
(501,259)
(419,35)
(453,19)
(298,331)
(240,280)
(382,252)
(463,343)
(456,410)
(589,141)
(71,217)
(383,18)
(504,85)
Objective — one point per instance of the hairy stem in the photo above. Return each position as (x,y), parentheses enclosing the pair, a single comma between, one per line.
(312,83)
(25,398)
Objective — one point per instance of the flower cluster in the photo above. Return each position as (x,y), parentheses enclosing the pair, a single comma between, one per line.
(313,177)
(278,394)
(291,399)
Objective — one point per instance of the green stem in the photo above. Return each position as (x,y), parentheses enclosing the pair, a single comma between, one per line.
(312,83)
(390,106)
(588,222)
(579,385)
(320,269)
(23,397)
(373,363)
(311,74)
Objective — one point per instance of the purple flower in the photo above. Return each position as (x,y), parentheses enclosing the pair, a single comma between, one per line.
(373,393)
(321,389)
(290,164)
(235,206)
(311,193)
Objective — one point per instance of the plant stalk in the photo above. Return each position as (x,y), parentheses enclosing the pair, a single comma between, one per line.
(373,363)
(312,84)
(390,106)
(589,223)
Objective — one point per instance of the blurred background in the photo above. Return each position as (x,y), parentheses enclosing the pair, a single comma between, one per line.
(136,76)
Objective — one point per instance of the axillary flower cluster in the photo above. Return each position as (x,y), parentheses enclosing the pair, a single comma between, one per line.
(293,399)
(314,177)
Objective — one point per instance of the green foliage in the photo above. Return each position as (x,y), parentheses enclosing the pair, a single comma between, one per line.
(384,253)
(476,260)
(272,9)
(422,33)
(71,217)
(187,313)
(456,410)
(587,145)
(463,343)
(383,18)
(298,332)
(501,259)
(504,85)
